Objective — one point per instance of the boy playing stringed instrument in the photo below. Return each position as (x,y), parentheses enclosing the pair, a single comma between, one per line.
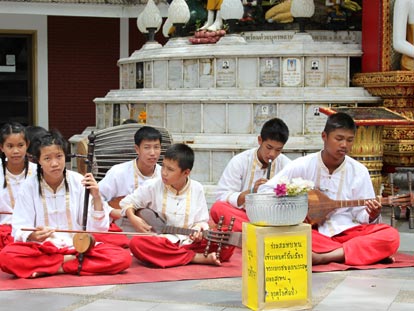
(351,235)
(122,179)
(180,201)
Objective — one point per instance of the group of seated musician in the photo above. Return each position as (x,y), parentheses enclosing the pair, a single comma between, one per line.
(43,203)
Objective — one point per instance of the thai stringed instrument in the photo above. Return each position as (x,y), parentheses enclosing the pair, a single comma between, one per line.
(320,205)
(83,242)
(159,226)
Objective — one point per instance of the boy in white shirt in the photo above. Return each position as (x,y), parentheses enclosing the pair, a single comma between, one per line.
(180,201)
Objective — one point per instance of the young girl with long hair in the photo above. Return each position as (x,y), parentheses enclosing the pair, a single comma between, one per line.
(50,201)
(14,169)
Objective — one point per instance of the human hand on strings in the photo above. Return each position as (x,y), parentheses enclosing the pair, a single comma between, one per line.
(40,234)
(139,224)
(373,209)
(196,236)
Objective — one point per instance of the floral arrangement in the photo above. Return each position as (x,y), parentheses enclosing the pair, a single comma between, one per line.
(142,117)
(294,187)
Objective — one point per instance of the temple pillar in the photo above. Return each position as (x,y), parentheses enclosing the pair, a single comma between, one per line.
(372,12)
(381,77)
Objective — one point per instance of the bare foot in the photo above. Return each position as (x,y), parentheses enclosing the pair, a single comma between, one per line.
(66,258)
(211,259)
(336,255)
(37,275)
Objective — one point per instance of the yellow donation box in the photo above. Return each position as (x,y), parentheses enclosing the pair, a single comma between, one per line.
(277,267)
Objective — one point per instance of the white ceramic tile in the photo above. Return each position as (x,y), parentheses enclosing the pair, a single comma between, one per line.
(201,169)
(293,117)
(174,118)
(206,71)
(160,74)
(191,73)
(192,118)
(247,72)
(220,159)
(337,72)
(240,118)
(175,74)
(155,114)
(214,118)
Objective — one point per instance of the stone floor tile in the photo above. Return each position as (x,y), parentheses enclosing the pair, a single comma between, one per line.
(113,305)
(27,300)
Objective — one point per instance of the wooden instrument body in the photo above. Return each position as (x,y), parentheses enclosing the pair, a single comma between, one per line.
(159,225)
(320,205)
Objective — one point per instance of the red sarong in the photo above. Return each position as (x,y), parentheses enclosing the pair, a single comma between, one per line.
(363,245)
(115,239)
(25,258)
(161,252)
(5,236)
(221,208)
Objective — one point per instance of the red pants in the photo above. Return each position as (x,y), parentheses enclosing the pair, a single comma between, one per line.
(161,252)
(363,245)
(115,239)
(5,236)
(221,208)
(25,258)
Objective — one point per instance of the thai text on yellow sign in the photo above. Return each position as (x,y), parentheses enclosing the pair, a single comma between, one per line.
(285,268)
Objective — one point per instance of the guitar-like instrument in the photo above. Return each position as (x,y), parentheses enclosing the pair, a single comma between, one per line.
(320,205)
(159,226)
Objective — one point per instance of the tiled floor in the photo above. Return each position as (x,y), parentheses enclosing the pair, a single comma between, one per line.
(387,289)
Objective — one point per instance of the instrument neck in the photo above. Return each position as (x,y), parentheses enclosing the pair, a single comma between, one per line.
(177,230)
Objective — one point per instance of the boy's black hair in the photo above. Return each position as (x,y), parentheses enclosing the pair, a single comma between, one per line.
(6,130)
(181,153)
(339,120)
(33,131)
(148,133)
(275,129)
(53,137)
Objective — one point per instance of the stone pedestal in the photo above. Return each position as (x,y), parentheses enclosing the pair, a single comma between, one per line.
(216,97)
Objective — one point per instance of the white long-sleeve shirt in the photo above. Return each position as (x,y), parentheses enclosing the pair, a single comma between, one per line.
(186,209)
(122,179)
(350,181)
(240,174)
(9,194)
(60,210)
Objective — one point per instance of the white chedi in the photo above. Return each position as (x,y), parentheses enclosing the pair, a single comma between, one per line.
(302,8)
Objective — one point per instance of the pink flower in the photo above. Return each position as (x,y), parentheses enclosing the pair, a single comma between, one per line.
(281,190)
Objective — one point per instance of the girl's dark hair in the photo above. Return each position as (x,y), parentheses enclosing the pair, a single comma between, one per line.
(181,153)
(5,131)
(51,138)
(32,132)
